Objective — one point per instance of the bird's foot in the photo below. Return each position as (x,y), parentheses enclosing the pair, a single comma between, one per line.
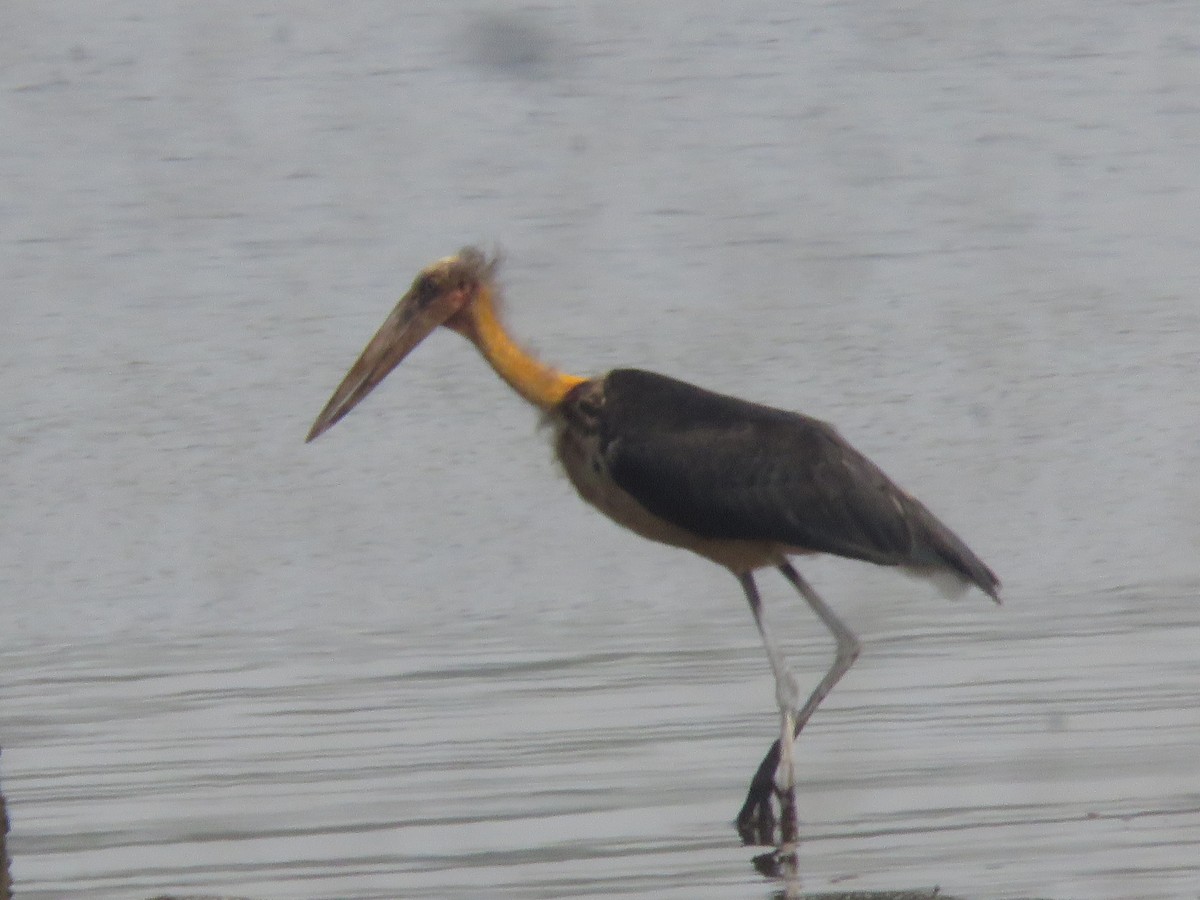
(756,821)
(756,826)
(789,822)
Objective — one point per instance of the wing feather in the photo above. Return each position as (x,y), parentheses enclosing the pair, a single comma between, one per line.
(725,468)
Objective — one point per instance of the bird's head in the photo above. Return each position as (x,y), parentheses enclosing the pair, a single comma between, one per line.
(442,294)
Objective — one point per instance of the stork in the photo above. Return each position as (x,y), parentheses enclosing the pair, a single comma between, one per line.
(744,485)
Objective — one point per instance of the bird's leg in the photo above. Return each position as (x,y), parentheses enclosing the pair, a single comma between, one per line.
(756,822)
(758,798)
(848,646)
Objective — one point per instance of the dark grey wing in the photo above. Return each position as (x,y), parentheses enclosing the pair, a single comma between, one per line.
(724,468)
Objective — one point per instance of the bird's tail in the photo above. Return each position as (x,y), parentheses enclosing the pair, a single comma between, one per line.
(945,551)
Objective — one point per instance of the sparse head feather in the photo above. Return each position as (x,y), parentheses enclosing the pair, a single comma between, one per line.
(477,263)
(477,267)
(469,265)
(467,269)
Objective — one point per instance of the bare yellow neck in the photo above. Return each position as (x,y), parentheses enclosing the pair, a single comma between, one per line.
(540,384)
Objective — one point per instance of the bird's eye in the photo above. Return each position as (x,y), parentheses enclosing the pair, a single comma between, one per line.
(427,288)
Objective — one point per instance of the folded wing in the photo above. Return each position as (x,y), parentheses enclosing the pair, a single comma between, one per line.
(724,468)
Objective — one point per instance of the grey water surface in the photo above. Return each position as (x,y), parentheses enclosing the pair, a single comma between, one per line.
(405,661)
